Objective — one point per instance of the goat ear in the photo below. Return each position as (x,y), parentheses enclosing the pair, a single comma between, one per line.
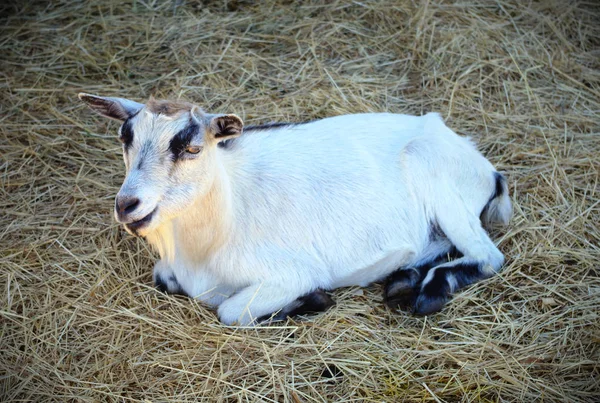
(114,108)
(224,127)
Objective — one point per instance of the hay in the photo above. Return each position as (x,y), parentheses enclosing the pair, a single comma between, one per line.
(80,320)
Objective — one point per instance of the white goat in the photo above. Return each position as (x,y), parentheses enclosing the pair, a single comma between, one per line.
(260,225)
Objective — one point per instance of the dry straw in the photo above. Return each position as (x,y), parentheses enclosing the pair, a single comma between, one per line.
(80,319)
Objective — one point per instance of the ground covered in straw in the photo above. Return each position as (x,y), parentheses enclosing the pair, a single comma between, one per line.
(80,319)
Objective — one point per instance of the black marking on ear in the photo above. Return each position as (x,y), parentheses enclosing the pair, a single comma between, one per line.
(499,190)
(105,107)
(182,139)
(500,183)
(436,292)
(227,126)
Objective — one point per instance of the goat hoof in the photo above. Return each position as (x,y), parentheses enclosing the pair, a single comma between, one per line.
(400,290)
(169,286)
(161,285)
(429,304)
(313,302)
(401,298)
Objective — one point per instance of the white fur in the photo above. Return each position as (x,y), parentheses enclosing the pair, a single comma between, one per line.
(336,202)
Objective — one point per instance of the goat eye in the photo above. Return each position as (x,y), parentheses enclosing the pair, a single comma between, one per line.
(193,149)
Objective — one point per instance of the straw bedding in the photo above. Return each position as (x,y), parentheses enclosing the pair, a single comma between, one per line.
(80,319)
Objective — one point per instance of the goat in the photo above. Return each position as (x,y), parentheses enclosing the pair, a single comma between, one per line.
(259,225)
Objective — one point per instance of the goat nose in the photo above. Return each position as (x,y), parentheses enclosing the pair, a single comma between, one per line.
(127,205)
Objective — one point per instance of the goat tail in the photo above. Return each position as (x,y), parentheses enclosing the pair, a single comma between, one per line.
(498,210)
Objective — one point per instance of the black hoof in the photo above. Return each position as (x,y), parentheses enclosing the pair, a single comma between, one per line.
(161,285)
(429,304)
(171,286)
(401,288)
(403,299)
(313,302)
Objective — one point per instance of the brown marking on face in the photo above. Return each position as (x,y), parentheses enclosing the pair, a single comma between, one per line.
(168,108)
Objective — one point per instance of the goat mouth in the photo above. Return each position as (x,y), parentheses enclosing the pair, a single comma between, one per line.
(135,226)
